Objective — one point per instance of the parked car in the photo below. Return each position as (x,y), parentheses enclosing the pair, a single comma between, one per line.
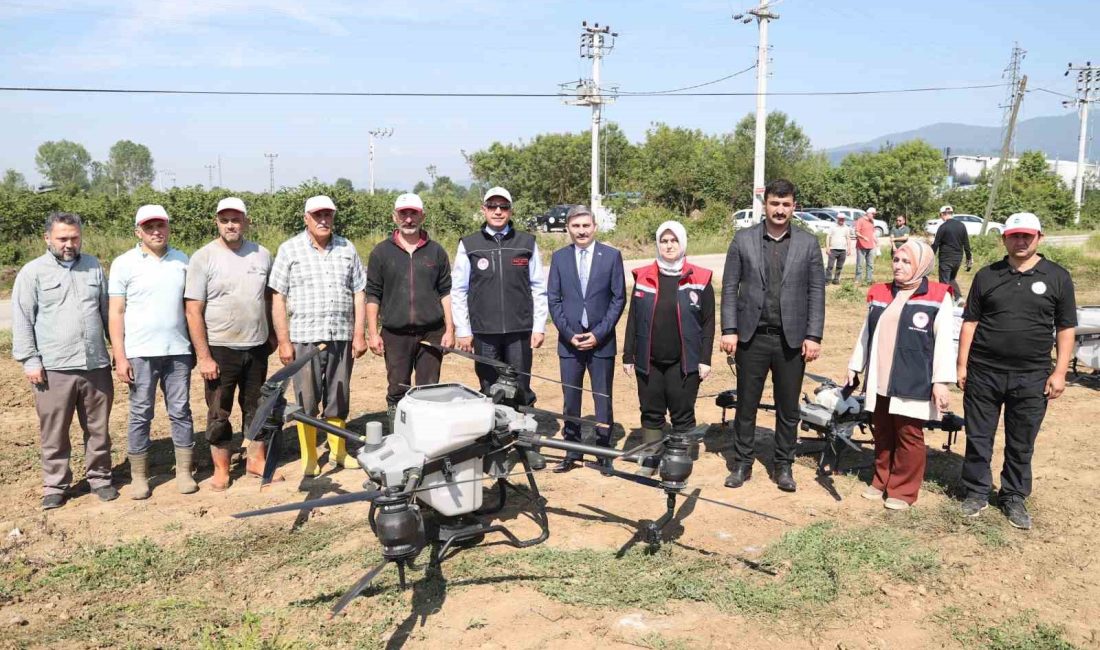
(552,219)
(813,223)
(855,213)
(822,213)
(743,219)
(973,225)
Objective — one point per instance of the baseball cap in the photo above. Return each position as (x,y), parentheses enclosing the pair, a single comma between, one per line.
(1024,222)
(231,203)
(319,202)
(497,191)
(150,212)
(409,202)
(947,208)
(872,211)
(841,217)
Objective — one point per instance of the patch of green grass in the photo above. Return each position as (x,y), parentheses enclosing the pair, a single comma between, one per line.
(5,343)
(849,292)
(990,529)
(247,635)
(117,567)
(658,641)
(1022,632)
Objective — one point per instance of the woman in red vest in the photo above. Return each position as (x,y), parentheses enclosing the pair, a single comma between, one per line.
(907,354)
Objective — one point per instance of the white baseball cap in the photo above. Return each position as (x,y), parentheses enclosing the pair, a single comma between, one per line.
(408,202)
(947,208)
(231,203)
(1024,222)
(319,202)
(150,212)
(497,191)
(872,211)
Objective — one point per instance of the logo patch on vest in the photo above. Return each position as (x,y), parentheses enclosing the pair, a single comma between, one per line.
(920,320)
(694,296)
(639,294)
(483,264)
(1039,288)
(520,261)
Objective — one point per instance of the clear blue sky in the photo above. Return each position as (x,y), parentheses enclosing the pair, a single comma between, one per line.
(491,46)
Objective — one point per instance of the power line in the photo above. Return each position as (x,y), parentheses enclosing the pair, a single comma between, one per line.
(1052,92)
(676,90)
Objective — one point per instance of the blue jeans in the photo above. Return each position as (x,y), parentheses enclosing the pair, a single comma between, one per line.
(173,375)
(865,258)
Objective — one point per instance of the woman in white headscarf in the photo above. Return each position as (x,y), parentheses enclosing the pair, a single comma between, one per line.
(669,337)
(907,354)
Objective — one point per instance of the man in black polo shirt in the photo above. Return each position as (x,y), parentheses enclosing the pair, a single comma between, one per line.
(409,286)
(1004,360)
(951,243)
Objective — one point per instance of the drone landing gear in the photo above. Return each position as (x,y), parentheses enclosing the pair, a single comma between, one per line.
(652,532)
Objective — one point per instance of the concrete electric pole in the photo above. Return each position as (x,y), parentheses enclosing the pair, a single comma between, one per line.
(596,42)
(998,173)
(1088,91)
(763,16)
(374,133)
(210,176)
(271,170)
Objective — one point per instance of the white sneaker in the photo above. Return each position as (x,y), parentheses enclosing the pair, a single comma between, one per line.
(872,493)
(896,504)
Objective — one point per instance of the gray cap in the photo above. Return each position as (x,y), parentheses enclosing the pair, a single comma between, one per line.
(577,211)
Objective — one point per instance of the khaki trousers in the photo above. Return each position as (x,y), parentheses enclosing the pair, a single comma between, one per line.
(88,393)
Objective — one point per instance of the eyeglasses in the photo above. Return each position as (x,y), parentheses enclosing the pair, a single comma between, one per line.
(498,206)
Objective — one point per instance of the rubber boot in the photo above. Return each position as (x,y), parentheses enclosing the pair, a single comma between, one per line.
(257,459)
(139,476)
(185,482)
(338,447)
(307,441)
(220,455)
(648,462)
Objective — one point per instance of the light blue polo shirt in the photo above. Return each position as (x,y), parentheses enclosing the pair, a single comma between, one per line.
(155,325)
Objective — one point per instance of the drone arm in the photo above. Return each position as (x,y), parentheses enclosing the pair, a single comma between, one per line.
(321,425)
(568,445)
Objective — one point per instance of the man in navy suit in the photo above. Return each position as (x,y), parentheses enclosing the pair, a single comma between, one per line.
(586,294)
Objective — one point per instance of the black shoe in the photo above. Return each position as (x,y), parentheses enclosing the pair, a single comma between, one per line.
(51,501)
(973,506)
(564,466)
(739,476)
(106,493)
(783,478)
(535,459)
(605,467)
(1017,514)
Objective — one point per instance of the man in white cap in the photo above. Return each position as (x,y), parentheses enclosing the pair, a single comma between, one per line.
(1004,361)
(228,310)
(951,243)
(318,283)
(409,290)
(151,345)
(498,294)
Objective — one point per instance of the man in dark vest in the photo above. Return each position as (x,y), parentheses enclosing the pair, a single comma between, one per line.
(498,295)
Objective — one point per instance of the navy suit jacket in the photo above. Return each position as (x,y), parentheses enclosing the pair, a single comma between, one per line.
(604,300)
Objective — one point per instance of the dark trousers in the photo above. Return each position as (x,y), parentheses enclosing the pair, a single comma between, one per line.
(666,389)
(239,371)
(601,373)
(513,349)
(836,258)
(761,354)
(1021,395)
(404,354)
(949,268)
(900,455)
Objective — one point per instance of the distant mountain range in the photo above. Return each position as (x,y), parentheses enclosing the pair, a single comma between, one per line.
(1056,136)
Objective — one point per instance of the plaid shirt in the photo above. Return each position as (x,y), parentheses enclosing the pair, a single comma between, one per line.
(319,286)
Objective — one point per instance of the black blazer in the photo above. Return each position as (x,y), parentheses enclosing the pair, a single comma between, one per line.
(801,298)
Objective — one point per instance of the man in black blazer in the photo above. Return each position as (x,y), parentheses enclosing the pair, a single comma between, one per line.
(773,318)
(586,294)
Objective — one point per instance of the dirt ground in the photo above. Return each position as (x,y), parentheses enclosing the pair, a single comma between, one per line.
(177,571)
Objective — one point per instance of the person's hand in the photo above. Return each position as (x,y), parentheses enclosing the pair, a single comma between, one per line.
(941,396)
(728,343)
(448,340)
(465,343)
(208,368)
(704,371)
(811,350)
(359,345)
(628,369)
(536,339)
(123,371)
(286,352)
(584,341)
(969,265)
(376,345)
(36,377)
(960,377)
(1056,385)
(852,378)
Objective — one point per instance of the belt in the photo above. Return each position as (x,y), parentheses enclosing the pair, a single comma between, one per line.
(768,329)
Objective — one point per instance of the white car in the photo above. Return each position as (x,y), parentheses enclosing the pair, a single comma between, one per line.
(743,219)
(973,225)
(855,213)
(812,223)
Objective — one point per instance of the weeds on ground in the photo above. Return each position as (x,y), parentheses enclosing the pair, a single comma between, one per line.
(245,636)
(658,641)
(1020,632)
(990,529)
(849,292)
(5,343)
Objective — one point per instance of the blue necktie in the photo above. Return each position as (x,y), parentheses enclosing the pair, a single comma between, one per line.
(584,284)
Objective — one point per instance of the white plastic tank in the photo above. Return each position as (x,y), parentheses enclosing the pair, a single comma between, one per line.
(440,418)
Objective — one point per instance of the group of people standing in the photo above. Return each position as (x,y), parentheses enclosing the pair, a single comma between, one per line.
(231,305)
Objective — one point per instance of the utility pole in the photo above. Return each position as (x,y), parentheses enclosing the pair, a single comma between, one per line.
(1012,74)
(271,170)
(763,16)
(210,176)
(165,174)
(596,42)
(220,183)
(998,172)
(375,133)
(1088,91)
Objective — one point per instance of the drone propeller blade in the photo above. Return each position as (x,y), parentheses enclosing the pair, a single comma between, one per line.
(555,381)
(339,499)
(496,363)
(640,480)
(562,416)
(275,385)
(634,451)
(821,379)
(290,369)
(730,505)
(274,451)
(356,589)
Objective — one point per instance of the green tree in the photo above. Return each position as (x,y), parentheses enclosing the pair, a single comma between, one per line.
(131,165)
(903,179)
(1028,186)
(64,164)
(675,165)
(345,184)
(13,182)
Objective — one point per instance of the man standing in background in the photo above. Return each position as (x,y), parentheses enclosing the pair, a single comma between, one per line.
(951,243)
(866,244)
(837,243)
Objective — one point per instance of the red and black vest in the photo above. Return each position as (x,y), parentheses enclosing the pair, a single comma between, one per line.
(689,313)
(911,372)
